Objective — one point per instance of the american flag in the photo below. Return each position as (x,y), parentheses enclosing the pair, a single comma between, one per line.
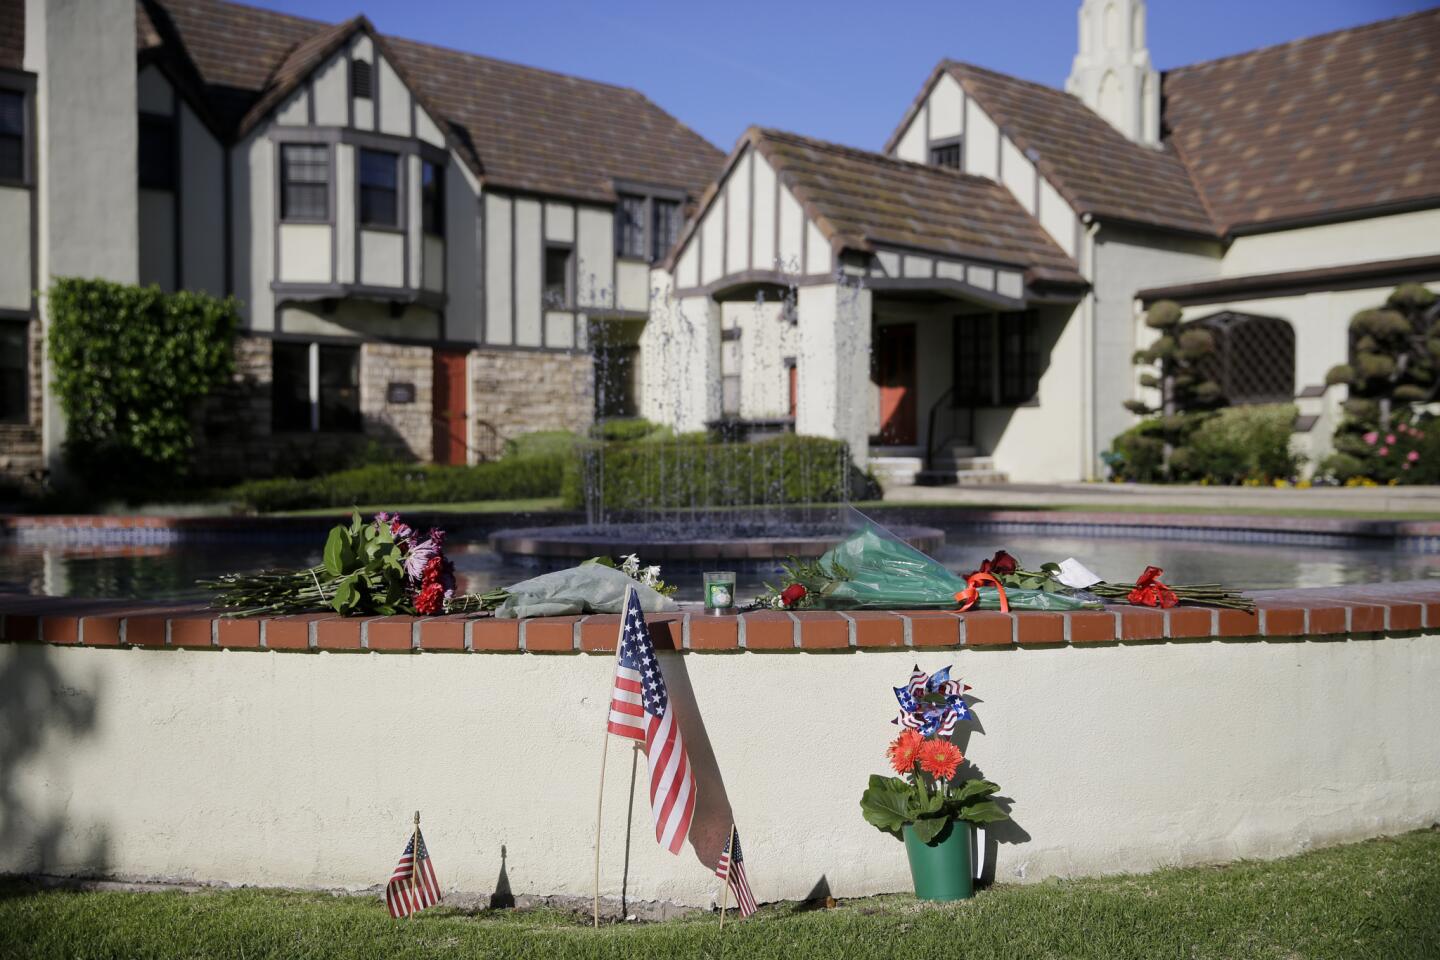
(412,887)
(731,869)
(640,710)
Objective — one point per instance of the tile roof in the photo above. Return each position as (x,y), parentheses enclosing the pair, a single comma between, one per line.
(1097,169)
(861,200)
(1336,122)
(12,34)
(518,127)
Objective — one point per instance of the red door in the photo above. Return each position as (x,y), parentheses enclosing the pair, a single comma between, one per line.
(794,378)
(449,411)
(895,373)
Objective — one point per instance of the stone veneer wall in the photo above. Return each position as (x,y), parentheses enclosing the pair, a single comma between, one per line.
(521,391)
(405,428)
(22,457)
(235,438)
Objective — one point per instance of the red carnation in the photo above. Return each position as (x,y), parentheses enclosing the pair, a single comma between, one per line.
(433,568)
(430,599)
(793,594)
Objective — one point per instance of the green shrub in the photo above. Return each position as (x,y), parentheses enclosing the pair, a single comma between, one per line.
(629,430)
(130,364)
(541,443)
(510,478)
(1138,454)
(1239,444)
(785,469)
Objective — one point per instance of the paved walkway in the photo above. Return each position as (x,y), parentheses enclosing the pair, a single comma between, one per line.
(1377,500)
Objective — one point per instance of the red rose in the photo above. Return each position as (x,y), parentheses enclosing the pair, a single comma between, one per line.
(430,600)
(1003,564)
(792,594)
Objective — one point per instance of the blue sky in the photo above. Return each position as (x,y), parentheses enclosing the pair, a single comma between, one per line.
(842,70)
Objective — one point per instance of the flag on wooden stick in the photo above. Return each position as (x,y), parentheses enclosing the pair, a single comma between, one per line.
(413,885)
(731,869)
(640,710)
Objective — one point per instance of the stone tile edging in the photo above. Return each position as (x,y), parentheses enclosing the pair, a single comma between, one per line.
(1333,611)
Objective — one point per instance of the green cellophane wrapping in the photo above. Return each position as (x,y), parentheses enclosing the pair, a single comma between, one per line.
(883,572)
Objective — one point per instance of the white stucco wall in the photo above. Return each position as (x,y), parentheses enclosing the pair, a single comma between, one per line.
(156,240)
(1400,235)
(284,769)
(202,206)
(499,279)
(834,361)
(680,373)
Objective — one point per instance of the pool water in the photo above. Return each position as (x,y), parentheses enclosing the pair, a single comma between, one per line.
(169,572)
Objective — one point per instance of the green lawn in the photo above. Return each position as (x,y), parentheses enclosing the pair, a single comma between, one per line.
(536,505)
(1376,899)
(1143,509)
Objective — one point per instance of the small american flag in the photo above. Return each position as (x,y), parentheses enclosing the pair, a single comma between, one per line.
(640,710)
(731,869)
(413,885)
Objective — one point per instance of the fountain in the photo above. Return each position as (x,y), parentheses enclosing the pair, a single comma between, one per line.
(738,494)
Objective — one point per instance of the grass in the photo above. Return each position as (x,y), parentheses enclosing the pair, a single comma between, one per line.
(1380,898)
(1143,509)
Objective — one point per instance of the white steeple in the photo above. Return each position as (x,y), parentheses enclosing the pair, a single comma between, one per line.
(1112,72)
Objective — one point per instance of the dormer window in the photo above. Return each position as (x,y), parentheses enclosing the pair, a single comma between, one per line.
(647,226)
(945,153)
(360,80)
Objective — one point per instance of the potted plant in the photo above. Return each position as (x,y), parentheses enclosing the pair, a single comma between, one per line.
(928,806)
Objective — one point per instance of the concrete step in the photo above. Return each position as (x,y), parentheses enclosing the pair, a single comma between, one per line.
(893,470)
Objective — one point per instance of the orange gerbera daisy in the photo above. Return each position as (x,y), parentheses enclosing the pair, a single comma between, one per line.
(902,751)
(940,758)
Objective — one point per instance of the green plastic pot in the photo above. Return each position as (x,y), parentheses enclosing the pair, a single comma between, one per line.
(941,868)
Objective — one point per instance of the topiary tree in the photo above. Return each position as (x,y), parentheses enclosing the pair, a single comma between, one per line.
(1396,352)
(130,364)
(1187,393)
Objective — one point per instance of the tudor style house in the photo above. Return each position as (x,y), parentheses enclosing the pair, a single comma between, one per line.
(969,299)
(429,248)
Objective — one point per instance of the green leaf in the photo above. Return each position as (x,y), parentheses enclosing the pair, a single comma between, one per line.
(886,804)
(987,811)
(973,790)
(335,545)
(928,828)
(345,597)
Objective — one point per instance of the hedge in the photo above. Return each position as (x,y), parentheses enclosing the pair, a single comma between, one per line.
(511,478)
(784,469)
(130,363)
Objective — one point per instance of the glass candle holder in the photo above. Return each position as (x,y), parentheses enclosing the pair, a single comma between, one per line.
(719,591)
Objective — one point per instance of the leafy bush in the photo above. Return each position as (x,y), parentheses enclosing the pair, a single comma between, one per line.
(1239,444)
(785,469)
(1409,453)
(510,478)
(1138,454)
(541,443)
(130,363)
(629,430)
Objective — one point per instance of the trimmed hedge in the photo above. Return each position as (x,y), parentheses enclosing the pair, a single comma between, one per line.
(1234,445)
(785,469)
(511,478)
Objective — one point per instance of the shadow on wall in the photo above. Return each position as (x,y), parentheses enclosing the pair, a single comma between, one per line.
(41,714)
(1008,832)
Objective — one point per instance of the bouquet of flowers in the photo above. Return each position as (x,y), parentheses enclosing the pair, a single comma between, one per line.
(1147,591)
(928,792)
(385,567)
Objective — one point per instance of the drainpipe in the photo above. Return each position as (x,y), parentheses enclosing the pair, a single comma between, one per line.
(1088,371)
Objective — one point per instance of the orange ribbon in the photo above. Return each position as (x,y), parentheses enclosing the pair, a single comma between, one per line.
(970,596)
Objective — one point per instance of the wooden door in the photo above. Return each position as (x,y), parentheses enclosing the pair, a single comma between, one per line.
(451,416)
(895,374)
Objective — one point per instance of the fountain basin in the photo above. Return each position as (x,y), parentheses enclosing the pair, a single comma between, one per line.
(654,545)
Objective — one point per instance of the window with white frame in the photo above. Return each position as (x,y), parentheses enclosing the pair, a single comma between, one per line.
(304,182)
(315,387)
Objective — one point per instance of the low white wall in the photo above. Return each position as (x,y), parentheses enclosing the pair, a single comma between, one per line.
(301,769)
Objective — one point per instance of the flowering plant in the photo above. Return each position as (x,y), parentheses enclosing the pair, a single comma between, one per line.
(1146,591)
(927,794)
(382,566)
(630,566)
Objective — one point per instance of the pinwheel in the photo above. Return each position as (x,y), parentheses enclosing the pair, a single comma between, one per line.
(932,703)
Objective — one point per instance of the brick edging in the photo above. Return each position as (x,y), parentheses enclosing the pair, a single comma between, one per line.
(1336,611)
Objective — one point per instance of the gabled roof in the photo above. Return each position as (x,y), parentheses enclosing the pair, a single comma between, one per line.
(1097,169)
(866,201)
(12,34)
(1341,121)
(515,126)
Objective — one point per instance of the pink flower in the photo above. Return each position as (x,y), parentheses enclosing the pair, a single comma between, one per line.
(1371,437)
(420,554)
(1390,438)
(1413,455)
(1384,451)
(1405,466)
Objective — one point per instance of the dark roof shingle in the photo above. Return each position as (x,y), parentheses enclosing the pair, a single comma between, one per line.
(518,127)
(861,199)
(1094,166)
(1336,122)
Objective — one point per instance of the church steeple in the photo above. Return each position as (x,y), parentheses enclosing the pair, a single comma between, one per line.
(1112,72)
